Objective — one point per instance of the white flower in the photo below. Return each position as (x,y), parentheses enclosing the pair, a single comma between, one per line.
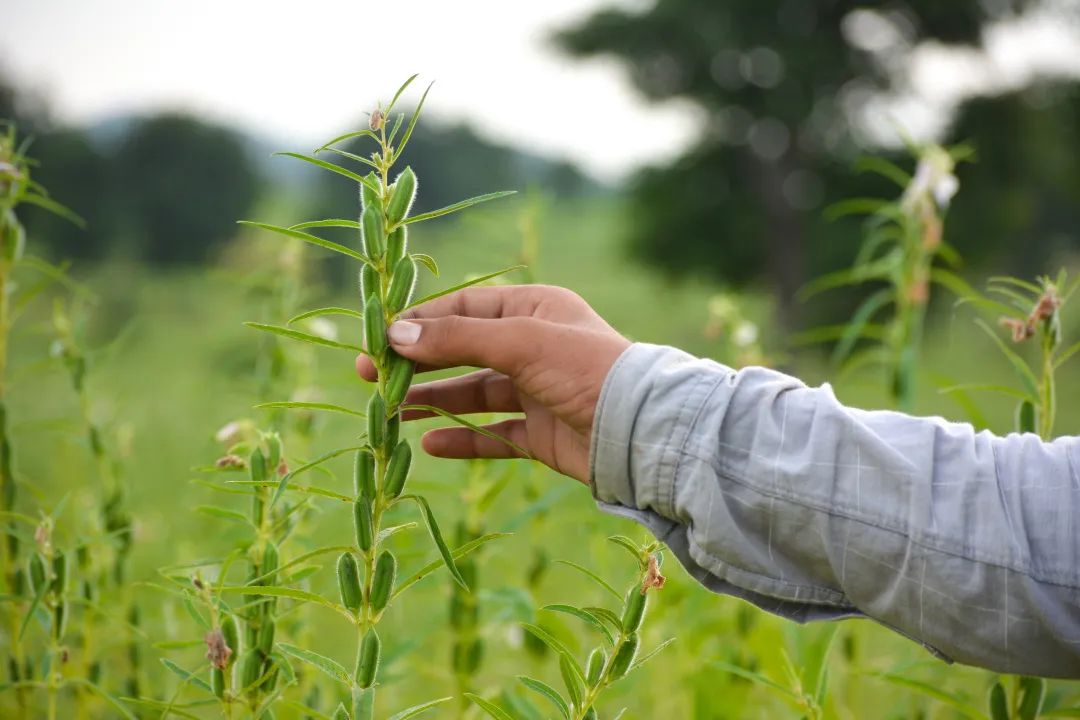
(746,334)
(933,178)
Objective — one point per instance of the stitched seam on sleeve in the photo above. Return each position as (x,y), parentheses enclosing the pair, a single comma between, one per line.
(666,495)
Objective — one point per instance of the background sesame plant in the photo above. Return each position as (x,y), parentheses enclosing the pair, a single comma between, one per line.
(903,240)
(609,662)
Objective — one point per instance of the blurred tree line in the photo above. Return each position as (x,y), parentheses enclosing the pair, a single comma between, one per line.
(168,189)
(776,81)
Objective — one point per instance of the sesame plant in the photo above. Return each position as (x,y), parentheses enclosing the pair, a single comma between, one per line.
(609,662)
(902,244)
(367,570)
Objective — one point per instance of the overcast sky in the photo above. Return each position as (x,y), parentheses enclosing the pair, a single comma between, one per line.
(279,67)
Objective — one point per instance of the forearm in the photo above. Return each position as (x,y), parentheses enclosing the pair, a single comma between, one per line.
(775,492)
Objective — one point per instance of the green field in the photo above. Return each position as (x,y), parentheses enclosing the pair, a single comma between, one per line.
(173,363)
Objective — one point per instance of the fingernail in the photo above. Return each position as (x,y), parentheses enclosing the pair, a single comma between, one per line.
(404,333)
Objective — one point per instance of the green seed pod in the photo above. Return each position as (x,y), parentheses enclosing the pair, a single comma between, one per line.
(634,609)
(269,564)
(595,667)
(364,474)
(467,656)
(217,682)
(397,244)
(251,635)
(362,523)
(232,637)
(37,573)
(398,379)
(624,656)
(369,197)
(266,637)
(401,196)
(382,583)
(397,470)
(1034,692)
(393,429)
(367,663)
(401,285)
(340,713)
(369,282)
(374,233)
(348,576)
(60,618)
(251,669)
(257,463)
(374,327)
(999,704)
(376,418)
(60,573)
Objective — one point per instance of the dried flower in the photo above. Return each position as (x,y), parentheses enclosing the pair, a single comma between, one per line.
(653,578)
(217,651)
(228,462)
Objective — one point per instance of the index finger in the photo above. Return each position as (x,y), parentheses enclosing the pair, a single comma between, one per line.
(487,302)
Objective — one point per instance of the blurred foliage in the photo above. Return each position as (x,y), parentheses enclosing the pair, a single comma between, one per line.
(775,81)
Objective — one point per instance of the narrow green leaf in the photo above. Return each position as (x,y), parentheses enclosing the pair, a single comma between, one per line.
(1016,282)
(417,709)
(325,311)
(585,615)
(859,320)
(332,668)
(545,690)
(1027,377)
(855,206)
(390,108)
(954,701)
(325,165)
(986,387)
(613,620)
(287,477)
(412,124)
(472,426)
(296,405)
(286,592)
(462,286)
(753,677)
(55,208)
(347,136)
(490,708)
(555,644)
(437,538)
(458,206)
(353,156)
(883,167)
(33,608)
(303,337)
(106,696)
(627,544)
(650,655)
(306,237)
(187,677)
(431,567)
(428,262)
(223,513)
(333,222)
(592,576)
(1066,355)
(393,530)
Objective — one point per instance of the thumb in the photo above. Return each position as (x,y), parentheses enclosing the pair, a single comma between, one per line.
(503,344)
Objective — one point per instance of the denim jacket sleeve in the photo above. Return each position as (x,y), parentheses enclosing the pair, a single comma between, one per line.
(774,492)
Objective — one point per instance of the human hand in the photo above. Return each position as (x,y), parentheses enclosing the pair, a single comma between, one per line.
(542,352)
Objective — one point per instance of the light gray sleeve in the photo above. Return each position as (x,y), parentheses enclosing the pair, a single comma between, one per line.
(776,493)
